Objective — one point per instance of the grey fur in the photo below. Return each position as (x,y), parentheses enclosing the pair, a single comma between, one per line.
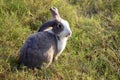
(47,24)
(38,48)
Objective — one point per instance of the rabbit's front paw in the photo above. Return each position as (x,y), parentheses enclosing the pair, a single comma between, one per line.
(55,58)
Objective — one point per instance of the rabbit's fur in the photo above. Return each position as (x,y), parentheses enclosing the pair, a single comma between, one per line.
(38,48)
(45,46)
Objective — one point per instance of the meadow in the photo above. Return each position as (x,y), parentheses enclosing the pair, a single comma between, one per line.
(92,53)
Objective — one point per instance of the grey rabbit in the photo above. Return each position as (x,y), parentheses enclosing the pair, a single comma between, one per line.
(45,45)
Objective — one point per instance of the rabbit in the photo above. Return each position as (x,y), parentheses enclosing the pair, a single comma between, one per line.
(45,46)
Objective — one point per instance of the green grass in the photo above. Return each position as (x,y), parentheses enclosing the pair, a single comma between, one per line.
(92,53)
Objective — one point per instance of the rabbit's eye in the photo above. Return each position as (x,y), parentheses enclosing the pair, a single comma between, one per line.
(59,26)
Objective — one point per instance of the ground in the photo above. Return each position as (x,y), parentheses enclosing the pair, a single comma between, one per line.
(92,53)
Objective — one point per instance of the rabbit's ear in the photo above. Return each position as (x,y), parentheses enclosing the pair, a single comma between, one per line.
(47,25)
(55,14)
(51,23)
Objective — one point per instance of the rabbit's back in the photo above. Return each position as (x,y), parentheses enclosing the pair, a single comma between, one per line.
(38,48)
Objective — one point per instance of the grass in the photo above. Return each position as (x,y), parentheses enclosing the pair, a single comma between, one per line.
(92,53)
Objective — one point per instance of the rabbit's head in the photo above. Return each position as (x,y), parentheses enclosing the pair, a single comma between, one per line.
(61,28)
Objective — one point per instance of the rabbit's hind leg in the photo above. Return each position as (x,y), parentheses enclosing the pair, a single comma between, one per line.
(49,62)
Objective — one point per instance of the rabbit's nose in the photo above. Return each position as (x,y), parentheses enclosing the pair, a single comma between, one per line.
(69,34)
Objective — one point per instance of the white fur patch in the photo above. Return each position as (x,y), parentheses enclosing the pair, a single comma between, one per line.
(61,44)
